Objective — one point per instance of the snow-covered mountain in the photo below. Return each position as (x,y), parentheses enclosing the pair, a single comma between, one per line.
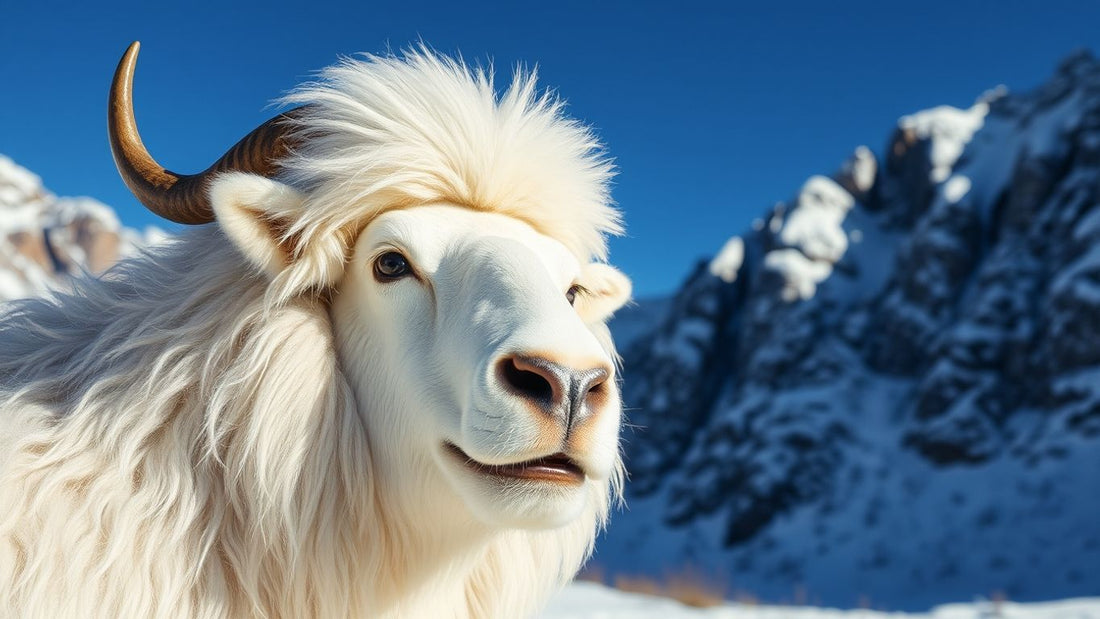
(44,240)
(889,389)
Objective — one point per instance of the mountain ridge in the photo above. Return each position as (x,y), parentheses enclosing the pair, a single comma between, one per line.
(890,386)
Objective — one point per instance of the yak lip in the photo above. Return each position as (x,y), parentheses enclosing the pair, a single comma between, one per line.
(555,468)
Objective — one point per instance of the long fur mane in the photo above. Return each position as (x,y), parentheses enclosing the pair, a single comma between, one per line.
(178,440)
(389,132)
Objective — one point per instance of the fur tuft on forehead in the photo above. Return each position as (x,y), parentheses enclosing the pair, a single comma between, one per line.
(386,132)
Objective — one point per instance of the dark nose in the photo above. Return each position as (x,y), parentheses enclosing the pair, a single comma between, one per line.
(563,393)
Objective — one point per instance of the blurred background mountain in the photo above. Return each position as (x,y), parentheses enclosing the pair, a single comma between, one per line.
(46,240)
(889,388)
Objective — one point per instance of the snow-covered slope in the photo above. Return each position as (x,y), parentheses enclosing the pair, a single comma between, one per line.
(585,600)
(889,389)
(44,239)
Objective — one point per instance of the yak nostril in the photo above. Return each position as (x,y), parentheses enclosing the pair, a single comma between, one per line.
(530,379)
(586,391)
(592,381)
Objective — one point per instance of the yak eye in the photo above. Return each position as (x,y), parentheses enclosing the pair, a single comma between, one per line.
(571,294)
(390,266)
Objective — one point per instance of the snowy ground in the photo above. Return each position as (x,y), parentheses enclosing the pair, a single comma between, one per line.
(585,600)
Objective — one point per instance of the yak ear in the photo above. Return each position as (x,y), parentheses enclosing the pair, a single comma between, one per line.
(606,290)
(256,213)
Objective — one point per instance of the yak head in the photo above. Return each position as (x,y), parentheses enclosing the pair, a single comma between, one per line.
(457,238)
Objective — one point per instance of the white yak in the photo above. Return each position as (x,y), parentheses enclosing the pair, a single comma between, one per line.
(376,384)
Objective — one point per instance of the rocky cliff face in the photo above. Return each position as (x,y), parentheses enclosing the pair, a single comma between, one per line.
(889,389)
(45,240)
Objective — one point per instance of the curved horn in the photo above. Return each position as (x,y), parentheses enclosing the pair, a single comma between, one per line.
(182,198)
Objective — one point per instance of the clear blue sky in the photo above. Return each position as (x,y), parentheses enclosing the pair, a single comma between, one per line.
(712,111)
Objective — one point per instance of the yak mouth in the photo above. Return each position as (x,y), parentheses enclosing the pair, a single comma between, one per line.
(556,468)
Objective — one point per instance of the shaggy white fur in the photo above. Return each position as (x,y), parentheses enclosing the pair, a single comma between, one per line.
(183,438)
(393,132)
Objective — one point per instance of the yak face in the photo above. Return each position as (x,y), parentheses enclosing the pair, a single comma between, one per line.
(471,341)
(476,349)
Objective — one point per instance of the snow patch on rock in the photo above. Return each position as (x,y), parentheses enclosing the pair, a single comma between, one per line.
(948,130)
(727,263)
